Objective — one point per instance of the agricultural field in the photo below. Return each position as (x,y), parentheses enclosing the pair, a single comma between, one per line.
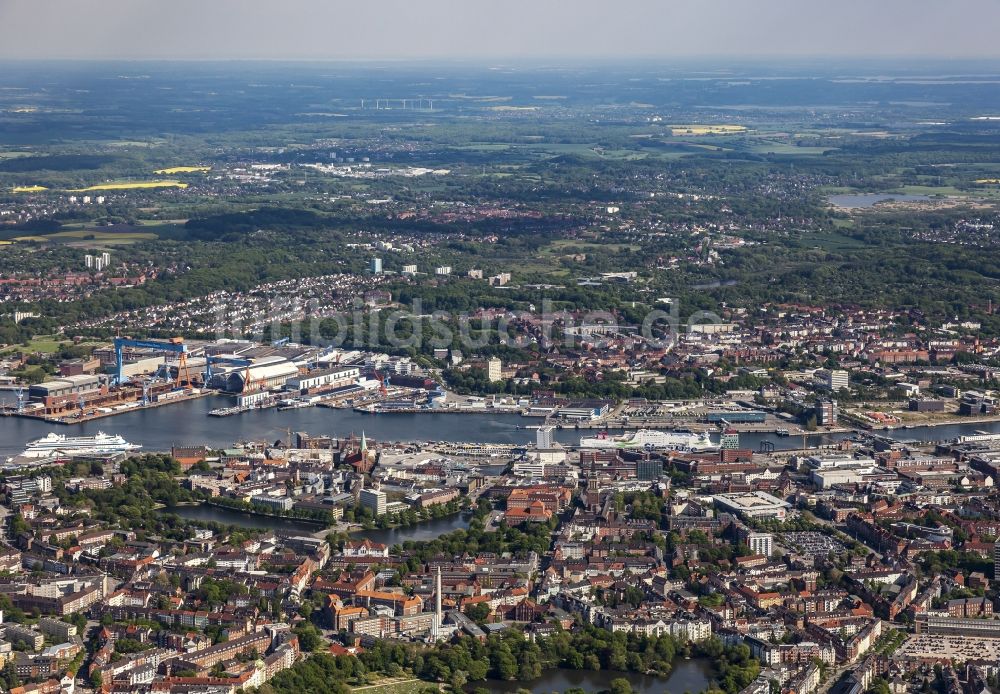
(774,147)
(573,246)
(136,185)
(173,170)
(88,238)
(684,161)
(696,130)
(930,190)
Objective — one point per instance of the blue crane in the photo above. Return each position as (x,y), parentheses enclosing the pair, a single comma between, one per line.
(174,344)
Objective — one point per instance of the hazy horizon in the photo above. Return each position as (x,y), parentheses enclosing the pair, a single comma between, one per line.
(517,30)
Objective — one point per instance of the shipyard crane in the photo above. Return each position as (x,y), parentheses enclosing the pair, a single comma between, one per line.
(314,361)
(175,345)
(247,380)
(383,383)
(183,372)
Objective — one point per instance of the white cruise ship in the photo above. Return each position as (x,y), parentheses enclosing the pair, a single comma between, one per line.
(58,444)
(647,439)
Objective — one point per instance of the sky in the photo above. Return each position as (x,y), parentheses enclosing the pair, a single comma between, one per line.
(492,29)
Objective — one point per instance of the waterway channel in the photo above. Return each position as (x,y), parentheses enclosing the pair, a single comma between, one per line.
(188,423)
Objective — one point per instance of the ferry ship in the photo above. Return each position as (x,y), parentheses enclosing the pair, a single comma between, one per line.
(58,444)
(650,440)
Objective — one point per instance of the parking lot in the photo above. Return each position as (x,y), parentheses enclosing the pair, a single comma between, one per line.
(935,647)
(810,542)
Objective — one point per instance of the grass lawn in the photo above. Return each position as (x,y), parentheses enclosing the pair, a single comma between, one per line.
(584,149)
(397,685)
(155,141)
(580,149)
(131,185)
(553,273)
(47,344)
(931,190)
(561,246)
(482,147)
(772,147)
(89,237)
(832,241)
(160,222)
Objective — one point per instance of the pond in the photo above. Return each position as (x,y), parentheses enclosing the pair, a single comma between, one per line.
(687,676)
(228,516)
(426,530)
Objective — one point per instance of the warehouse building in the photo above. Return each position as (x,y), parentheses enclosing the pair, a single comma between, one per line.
(66,389)
(737,417)
(269,374)
(336,377)
(925,405)
(753,505)
(857,473)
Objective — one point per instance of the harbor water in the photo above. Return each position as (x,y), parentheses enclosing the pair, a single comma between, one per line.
(188,423)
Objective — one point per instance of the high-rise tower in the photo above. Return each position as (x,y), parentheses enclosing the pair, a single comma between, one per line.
(437,605)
